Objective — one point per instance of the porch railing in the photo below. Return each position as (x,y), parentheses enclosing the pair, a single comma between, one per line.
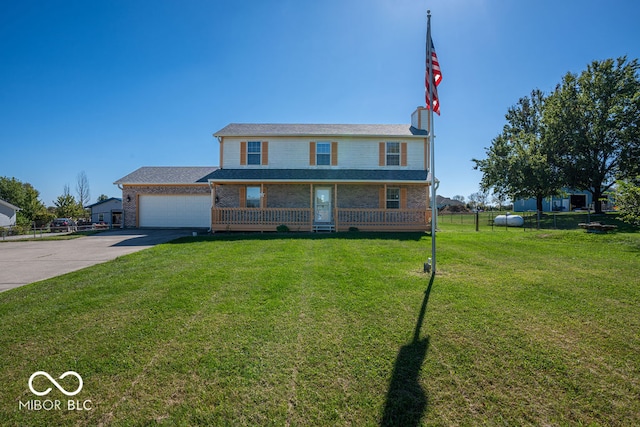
(261,219)
(391,219)
(301,219)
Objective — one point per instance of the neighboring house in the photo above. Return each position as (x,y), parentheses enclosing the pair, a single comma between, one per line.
(444,202)
(569,201)
(107,212)
(7,214)
(309,177)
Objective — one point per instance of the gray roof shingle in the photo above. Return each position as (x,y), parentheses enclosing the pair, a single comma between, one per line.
(168,175)
(272,129)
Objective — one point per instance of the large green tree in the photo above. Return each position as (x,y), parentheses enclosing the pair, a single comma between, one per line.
(67,206)
(517,163)
(628,200)
(24,196)
(592,126)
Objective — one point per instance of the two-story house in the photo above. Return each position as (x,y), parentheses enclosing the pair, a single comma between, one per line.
(309,177)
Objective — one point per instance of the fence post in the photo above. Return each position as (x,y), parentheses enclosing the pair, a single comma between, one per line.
(477,220)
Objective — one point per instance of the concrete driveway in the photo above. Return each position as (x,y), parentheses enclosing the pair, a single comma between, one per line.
(27,262)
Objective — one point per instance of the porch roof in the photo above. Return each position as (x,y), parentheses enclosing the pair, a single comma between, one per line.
(318,175)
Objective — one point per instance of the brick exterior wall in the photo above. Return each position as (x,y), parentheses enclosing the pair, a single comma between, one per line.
(417,197)
(288,196)
(228,196)
(130,208)
(357,196)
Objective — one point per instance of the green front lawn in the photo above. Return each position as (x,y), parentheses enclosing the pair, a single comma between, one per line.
(538,328)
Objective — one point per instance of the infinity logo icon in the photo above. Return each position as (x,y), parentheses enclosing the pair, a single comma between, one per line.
(55,383)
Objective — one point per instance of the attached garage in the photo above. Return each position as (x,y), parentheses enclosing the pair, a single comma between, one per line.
(175,211)
(167,197)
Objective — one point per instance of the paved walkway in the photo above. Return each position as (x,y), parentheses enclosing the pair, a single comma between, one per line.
(23,262)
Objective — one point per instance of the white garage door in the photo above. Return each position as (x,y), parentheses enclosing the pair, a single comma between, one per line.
(175,211)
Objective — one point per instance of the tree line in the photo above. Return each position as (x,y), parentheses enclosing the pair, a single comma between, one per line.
(33,210)
(585,135)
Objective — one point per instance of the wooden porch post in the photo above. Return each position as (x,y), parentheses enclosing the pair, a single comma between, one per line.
(311,207)
(213,204)
(335,204)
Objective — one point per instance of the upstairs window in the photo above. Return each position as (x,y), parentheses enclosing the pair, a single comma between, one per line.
(393,154)
(323,153)
(254,156)
(393,198)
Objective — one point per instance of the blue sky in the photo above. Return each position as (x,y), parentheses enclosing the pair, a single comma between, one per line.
(107,87)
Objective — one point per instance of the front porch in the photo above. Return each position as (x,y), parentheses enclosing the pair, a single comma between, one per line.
(320,206)
(303,219)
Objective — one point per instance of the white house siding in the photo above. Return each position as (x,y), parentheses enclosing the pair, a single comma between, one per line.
(364,153)
(353,153)
(7,216)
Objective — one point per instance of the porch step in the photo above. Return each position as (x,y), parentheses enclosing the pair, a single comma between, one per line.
(324,227)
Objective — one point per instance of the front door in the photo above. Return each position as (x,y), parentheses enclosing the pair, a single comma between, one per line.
(323,205)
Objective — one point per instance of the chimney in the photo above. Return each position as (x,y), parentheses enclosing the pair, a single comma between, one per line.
(420,119)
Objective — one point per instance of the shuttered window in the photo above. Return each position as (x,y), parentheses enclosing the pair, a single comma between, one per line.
(254,149)
(323,153)
(393,198)
(393,154)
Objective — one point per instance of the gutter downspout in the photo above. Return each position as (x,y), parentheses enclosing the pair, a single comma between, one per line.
(123,209)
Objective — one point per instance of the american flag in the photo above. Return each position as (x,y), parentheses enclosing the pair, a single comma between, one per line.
(437,78)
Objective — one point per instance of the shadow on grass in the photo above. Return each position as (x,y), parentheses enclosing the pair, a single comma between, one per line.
(351,235)
(406,401)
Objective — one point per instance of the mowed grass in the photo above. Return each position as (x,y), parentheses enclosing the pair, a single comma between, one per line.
(519,328)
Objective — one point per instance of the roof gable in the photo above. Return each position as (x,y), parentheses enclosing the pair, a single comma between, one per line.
(117,199)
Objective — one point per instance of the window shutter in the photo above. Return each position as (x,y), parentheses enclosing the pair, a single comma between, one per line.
(263,202)
(382,198)
(243,197)
(265,153)
(403,154)
(312,153)
(243,153)
(382,153)
(334,153)
(403,198)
